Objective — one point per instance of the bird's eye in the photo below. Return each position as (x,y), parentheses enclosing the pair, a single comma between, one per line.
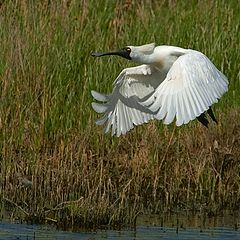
(128,49)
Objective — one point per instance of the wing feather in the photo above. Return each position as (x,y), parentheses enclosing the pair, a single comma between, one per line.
(123,109)
(99,97)
(99,108)
(170,110)
(179,115)
(191,86)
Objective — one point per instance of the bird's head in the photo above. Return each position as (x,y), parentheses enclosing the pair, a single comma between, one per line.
(134,53)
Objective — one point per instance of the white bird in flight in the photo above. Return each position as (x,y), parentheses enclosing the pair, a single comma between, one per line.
(172,83)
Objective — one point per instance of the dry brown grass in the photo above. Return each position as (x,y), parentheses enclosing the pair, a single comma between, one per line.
(159,170)
(57,166)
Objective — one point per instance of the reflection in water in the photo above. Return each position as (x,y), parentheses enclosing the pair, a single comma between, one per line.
(174,227)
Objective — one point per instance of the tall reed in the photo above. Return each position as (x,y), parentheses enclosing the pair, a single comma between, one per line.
(56,164)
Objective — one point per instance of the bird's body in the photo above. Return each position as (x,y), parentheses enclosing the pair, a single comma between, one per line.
(171,83)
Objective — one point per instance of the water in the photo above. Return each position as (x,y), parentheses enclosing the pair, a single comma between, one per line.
(147,228)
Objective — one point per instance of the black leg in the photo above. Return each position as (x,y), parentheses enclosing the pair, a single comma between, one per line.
(202,119)
(211,114)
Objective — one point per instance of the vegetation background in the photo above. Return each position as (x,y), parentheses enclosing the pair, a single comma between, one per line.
(57,165)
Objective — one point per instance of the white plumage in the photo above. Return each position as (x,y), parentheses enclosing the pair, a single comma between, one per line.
(173,83)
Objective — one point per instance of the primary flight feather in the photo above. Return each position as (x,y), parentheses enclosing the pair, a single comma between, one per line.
(172,83)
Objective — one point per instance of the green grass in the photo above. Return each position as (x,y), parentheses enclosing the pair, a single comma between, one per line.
(47,125)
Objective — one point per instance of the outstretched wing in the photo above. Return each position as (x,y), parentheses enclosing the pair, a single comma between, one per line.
(191,86)
(122,109)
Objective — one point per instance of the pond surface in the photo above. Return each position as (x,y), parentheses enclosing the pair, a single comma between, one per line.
(147,228)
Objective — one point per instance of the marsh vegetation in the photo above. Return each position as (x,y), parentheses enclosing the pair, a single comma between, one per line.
(58,166)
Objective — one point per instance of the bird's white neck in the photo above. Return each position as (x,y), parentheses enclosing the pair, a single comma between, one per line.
(160,62)
(143,58)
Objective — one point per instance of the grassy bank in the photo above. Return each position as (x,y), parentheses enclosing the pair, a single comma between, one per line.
(57,166)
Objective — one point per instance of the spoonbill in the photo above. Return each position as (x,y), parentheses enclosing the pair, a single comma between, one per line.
(172,83)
